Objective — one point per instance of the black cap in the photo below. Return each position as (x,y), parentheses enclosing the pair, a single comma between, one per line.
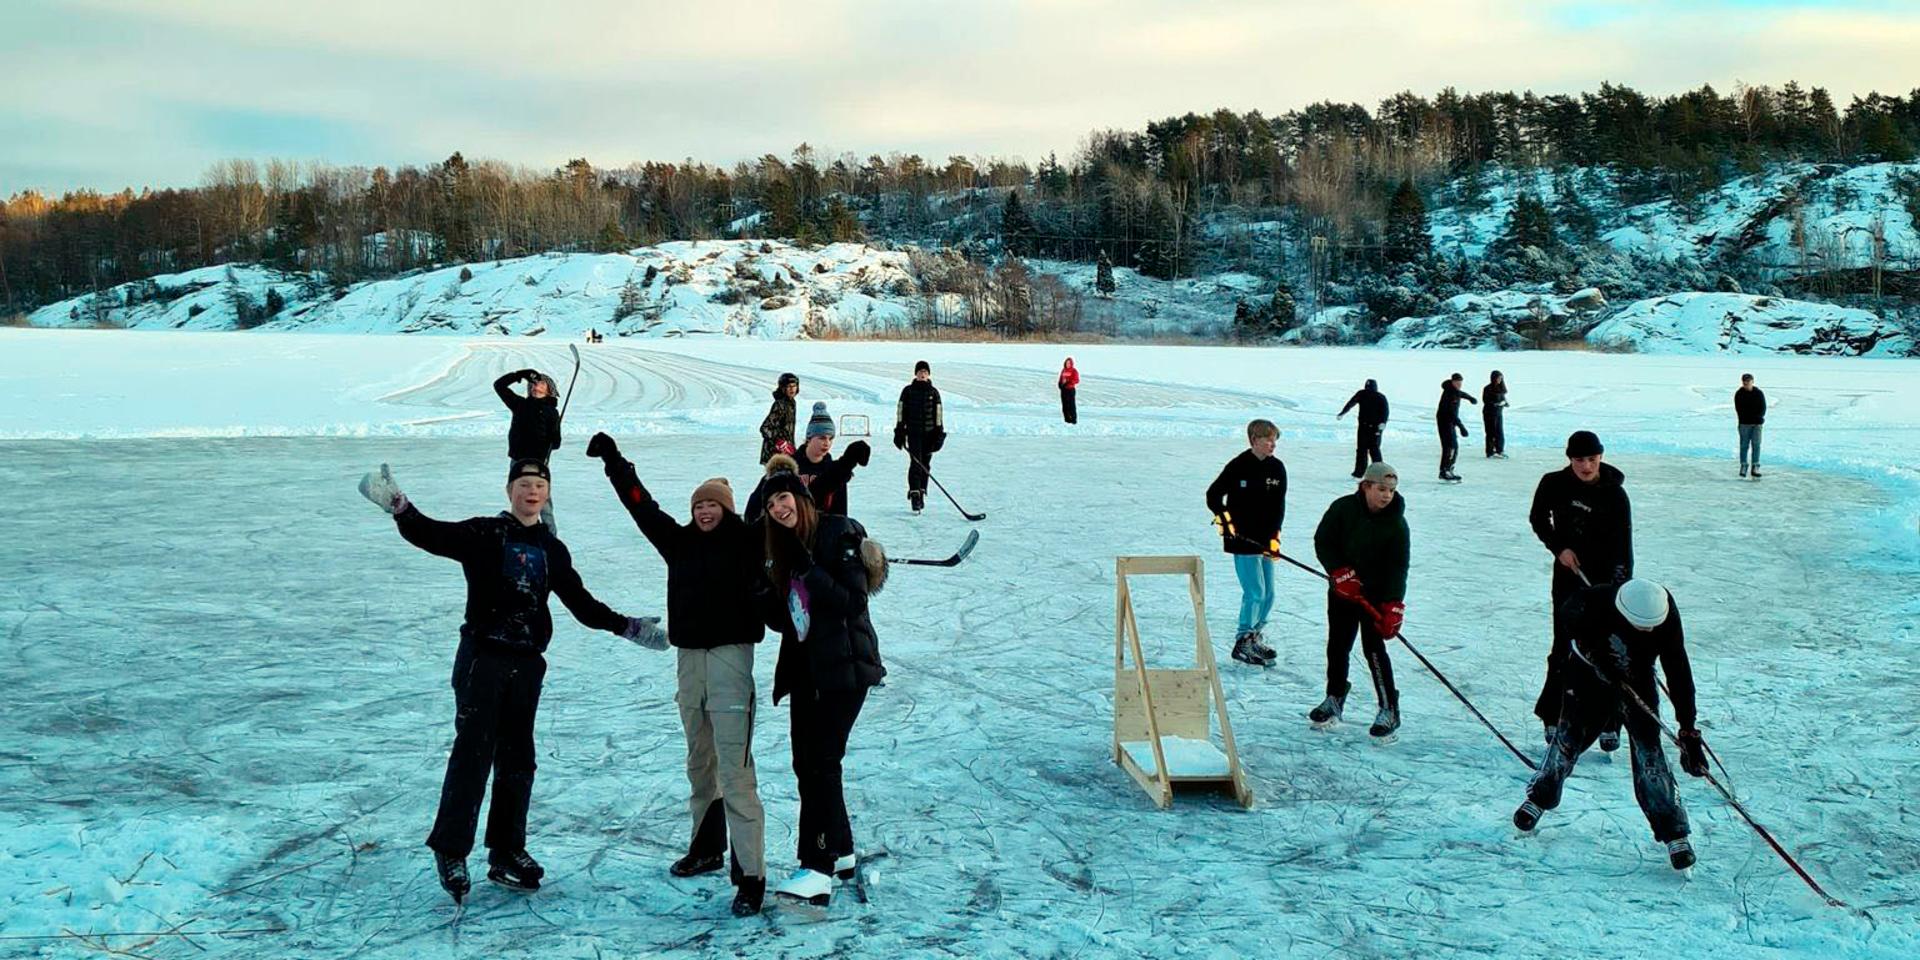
(787,378)
(528,467)
(920,365)
(1584,443)
(1372,386)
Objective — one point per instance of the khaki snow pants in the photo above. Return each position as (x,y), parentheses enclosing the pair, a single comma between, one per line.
(716,699)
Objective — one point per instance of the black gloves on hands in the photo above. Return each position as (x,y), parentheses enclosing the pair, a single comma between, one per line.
(899,438)
(935,442)
(602,447)
(1693,752)
(859,452)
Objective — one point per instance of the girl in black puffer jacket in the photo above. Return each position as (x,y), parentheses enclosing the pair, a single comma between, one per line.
(823,567)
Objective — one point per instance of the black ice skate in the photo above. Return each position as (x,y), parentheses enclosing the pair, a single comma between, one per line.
(748,895)
(695,864)
(1259,645)
(1244,650)
(514,869)
(1527,817)
(1327,714)
(453,876)
(1680,854)
(1386,725)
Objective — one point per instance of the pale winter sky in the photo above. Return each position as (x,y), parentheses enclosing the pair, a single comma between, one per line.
(113,93)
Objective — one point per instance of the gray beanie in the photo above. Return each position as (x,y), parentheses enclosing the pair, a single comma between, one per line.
(820,424)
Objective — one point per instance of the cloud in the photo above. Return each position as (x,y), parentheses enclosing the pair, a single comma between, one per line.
(109,92)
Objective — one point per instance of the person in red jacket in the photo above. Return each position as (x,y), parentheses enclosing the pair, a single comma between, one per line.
(1069,383)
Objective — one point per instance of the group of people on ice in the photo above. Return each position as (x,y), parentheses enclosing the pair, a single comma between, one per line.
(793,561)
(1609,629)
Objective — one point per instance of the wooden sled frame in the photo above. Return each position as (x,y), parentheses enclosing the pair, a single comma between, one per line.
(1149,704)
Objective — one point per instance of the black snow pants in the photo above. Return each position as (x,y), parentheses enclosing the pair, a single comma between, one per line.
(1068,411)
(1343,620)
(1366,446)
(1553,692)
(921,460)
(1592,703)
(1493,422)
(1449,446)
(821,725)
(495,696)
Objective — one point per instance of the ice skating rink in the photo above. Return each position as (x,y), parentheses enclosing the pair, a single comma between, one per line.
(227,675)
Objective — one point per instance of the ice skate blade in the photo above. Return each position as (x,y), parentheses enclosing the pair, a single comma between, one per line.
(1324,724)
(1386,741)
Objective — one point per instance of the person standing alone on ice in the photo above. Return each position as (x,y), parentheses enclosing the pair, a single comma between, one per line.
(1619,632)
(1447,418)
(823,568)
(1373,423)
(1249,503)
(1069,386)
(1584,518)
(1363,543)
(919,428)
(512,563)
(715,591)
(1750,409)
(776,431)
(1493,404)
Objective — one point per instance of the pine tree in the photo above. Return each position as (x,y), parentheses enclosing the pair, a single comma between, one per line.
(1016,228)
(1103,275)
(630,300)
(1529,224)
(1407,237)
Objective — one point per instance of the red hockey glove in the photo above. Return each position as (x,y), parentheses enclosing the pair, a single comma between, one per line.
(783,446)
(1346,586)
(1388,617)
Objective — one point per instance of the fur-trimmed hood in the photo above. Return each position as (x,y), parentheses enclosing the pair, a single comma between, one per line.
(874,557)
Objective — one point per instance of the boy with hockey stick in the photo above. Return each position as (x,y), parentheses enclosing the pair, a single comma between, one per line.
(716,596)
(919,428)
(1620,631)
(512,564)
(1372,425)
(1249,502)
(1363,544)
(1584,518)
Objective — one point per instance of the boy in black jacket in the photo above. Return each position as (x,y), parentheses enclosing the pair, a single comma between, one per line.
(534,433)
(1447,418)
(919,428)
(1619,633)
(1249,502)
(716,594)
(1363,543)
(512,563)
(1373,424)
(1583,517)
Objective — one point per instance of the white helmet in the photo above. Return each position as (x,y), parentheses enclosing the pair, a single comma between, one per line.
(1642,602)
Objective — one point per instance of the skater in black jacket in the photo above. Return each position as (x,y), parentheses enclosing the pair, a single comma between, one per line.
(1584,518)
(1363,543)
(512,564)
(823,568)
(1750,410)
(717,594)
(1493,405)
(919,428)
(1619,633)
(1373,423)
(1447,418)
(1249,502)
(535,431)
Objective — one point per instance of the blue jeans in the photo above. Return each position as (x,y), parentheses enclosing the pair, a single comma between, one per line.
(1750,440)
(1256,589)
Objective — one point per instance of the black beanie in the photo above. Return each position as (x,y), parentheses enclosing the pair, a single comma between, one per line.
(920,365)
(1584,443)
(528,467)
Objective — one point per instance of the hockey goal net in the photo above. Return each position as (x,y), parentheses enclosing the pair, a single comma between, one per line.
(855,425)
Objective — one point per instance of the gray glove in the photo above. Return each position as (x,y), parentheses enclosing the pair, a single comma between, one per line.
(646,632)
(381,489)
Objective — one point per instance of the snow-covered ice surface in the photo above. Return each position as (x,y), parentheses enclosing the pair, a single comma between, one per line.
(227,678)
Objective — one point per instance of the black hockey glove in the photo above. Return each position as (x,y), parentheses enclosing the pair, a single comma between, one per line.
(899,438)
(859,452)
(1693,752)
(938,440)
(602,447)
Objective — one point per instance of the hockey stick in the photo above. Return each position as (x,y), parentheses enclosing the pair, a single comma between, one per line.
(1634,696)
(1402,637)
(966,550)
(974,517)
(571,382)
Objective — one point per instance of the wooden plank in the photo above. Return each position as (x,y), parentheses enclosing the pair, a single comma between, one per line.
(1136,566)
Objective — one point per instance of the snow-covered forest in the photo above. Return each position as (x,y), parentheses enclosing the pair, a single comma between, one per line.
(1335,223)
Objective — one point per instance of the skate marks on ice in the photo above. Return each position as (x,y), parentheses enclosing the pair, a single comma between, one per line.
(983,384)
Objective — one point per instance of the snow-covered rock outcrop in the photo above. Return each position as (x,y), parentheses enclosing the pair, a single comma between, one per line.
(1738,323)
(1502,320)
